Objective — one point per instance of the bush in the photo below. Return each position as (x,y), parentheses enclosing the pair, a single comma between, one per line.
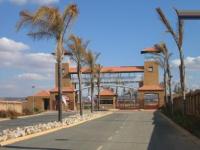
(13,114)
(27,112)
(3,114)
(10,113)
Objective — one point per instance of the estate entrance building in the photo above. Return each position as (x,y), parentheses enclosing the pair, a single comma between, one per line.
(122,87)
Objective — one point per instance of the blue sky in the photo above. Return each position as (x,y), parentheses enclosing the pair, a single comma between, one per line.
(117,29)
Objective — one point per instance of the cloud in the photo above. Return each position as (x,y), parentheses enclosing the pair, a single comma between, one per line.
(14,56)
(31,76)
(191,63)
(38,2)
(11,45)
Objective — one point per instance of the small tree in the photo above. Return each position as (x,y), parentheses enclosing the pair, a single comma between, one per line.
(91,60)
(49,22)
(78,50)
(178,38)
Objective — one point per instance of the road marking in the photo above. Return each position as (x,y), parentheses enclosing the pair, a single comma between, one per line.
(116,131)
(110,138)
(121,127)
(100,147)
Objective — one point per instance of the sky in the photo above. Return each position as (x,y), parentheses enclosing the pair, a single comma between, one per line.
(118,29)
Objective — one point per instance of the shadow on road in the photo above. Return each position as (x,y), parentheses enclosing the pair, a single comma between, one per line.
(166,137)
(34,148)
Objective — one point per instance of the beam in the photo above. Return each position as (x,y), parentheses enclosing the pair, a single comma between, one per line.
(188,14)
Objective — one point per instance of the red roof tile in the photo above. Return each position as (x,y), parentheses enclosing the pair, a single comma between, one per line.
(42,93)
(118,69)
(64,89)
(151,88)
(107,92)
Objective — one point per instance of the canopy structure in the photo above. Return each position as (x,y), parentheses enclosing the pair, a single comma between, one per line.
(111,75)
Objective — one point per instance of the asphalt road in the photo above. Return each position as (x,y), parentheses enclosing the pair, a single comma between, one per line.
(31,120)
(119,131)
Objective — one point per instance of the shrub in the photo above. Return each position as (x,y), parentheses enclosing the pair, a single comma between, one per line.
(10,113)
(13,114)
(3,114)
(27,112)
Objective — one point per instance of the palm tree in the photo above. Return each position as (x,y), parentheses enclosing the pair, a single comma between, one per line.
(178,38)
(91,59)
(78,50)
(164,59)
(50,23)
(98,77)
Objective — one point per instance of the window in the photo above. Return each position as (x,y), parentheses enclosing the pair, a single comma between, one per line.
(150,69)
(106,101)
(151,98)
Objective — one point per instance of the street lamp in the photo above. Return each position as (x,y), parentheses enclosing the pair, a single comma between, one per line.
(33,87)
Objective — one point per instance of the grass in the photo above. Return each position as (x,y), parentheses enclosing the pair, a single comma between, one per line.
(190,123)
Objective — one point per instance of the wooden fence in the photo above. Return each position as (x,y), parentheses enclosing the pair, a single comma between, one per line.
(192,103)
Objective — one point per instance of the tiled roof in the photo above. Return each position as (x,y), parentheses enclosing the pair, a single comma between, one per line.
(64,89)
(43,93)
(151,88)
(150,50)
(118,69)
(107,92)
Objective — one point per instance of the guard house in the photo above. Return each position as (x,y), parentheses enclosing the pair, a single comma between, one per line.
(150,94)
(107,99)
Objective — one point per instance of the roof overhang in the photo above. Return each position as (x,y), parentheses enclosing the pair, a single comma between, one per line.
(150,50)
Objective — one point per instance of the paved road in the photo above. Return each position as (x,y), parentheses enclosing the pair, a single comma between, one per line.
(20,122)
(119,131)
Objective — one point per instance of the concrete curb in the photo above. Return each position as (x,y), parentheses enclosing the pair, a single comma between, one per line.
(48,131)
(186,133)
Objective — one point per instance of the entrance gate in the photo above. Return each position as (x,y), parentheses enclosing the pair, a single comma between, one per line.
(123,102)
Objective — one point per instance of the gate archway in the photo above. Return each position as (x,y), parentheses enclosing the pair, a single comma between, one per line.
(126,101)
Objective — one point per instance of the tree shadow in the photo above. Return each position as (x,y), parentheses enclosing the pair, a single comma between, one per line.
(33,148)
(166,137)
(160,138)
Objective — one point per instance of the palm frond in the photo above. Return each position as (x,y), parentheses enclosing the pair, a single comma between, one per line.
(71,10)
(166,22)
(25,19)
(180,25)
(40,34)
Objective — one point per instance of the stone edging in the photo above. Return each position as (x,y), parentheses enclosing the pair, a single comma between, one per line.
(67,122)
(193,138)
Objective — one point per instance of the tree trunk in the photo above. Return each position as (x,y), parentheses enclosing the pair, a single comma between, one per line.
(92,91)
(170,86)
(59,71)
(182,79)
(98,96)
(80,89)
(165,84)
